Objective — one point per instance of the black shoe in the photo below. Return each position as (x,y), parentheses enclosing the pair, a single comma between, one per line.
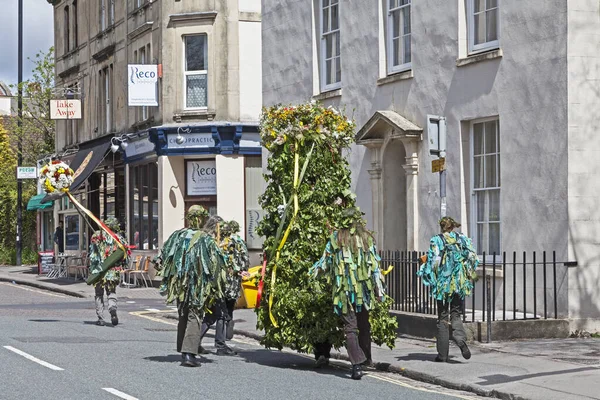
(100,322)
(321,362)
(464,349)
(226,351)
(440,359)
(202,350)
(113,317)
(189,360)
(357,372)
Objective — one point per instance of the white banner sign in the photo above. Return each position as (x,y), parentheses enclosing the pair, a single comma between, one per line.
(65,109)
(142,85)
(27,172)
(201,178)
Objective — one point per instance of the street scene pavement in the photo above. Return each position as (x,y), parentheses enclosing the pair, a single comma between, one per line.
(137,358)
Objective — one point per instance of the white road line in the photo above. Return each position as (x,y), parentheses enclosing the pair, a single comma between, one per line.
(32,358)
(130,302)
(32,290)
(120,394)
(153,309)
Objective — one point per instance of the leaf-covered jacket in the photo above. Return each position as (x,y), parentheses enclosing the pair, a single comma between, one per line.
(355,276)
(102,246)
(450,266)
(237,260)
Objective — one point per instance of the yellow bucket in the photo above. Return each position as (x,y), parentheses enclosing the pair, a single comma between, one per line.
(249,289)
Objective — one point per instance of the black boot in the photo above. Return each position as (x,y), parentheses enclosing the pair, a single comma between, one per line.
(464,349)
(321,362)
(189,360)
(113,317)
(357,372)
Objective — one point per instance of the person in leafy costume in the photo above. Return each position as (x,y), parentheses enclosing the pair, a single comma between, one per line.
(308,189)
(351,266)
(219,314)
(190,264)
(102,246)
(449,270)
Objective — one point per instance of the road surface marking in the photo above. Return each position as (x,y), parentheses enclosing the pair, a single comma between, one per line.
(32,290)
(142,314)
(406,385)
(32,358)
(153,309)
(130,302)
(120,394)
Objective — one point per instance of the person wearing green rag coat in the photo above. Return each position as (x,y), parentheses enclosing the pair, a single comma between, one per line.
(449,271)
(352,267)
(104,252)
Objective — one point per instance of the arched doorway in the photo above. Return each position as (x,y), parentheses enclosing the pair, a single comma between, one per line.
(394,196)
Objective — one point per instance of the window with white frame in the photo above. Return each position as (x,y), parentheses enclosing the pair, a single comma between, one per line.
(331,61)
(485,140)
(483,25)
(398,35)
(195,71)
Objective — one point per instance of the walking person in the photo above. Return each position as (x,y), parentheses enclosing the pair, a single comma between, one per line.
(351,262)
(449,271)
(59,237)
(102,246)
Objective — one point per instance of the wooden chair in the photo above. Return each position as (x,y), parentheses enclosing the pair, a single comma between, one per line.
(142,271)
(133,265)
(82,266)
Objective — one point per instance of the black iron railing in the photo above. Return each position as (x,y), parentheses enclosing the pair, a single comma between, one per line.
(508,287)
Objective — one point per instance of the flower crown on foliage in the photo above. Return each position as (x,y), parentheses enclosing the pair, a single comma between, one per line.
(305,122)
(56,177)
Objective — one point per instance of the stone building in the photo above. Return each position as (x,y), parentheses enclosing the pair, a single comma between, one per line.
(516,82)
(145,165)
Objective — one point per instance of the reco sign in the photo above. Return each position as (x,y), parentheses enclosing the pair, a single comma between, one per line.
(142,85)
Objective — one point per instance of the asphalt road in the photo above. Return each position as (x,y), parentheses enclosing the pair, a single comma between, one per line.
(50,348)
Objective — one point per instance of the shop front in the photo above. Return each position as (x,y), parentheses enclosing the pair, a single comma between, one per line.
(215,165)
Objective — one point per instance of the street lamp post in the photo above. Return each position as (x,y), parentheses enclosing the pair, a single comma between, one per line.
(20,138)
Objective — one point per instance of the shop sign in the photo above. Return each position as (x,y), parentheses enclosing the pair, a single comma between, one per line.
(201,178)
(27,172)
(142,84)
(190,141)
(139,147)
(65,109)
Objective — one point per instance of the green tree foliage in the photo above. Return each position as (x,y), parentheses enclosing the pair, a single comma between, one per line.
(303,310)
(37,139)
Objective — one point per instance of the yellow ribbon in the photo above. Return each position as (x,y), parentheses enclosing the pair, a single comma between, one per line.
(285,235)
(388,270)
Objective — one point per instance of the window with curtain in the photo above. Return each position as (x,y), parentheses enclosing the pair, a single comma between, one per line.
(399,35)
(195,71)
(331,60)
(483,25)
(486,185)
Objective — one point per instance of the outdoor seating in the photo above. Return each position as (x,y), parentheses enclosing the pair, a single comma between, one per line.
(142,271)
(59,268)
(133,265)
(81,265)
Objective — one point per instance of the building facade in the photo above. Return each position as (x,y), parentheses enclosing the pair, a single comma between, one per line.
(145,165)
(514,81)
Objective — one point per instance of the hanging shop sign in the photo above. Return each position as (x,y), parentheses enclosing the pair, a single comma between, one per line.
(201,178)
(139,147)
(142,83)
(65,109)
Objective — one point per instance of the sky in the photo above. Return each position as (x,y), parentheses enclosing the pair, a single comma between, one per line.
(38,34)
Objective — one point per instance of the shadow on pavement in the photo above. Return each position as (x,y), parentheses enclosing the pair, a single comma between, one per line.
(276,359)
(176,358)
(499,378)
(425,357)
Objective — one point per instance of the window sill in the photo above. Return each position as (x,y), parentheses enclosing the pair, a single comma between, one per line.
(140,9)
(330,94)
(395,77)
(194,114)
(480,57)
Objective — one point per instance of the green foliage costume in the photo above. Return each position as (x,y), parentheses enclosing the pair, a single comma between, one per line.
(236,257)
(191,265)
(102,246)
(317,136)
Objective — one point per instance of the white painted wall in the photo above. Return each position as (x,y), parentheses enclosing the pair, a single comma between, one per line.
(171,187)
(230,189)
(5,106)
(584,163)
(250,71)
(249,5)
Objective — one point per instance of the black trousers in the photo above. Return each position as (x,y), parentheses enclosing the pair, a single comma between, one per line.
(188,329)
(358,338)
(452,308)
(218,314)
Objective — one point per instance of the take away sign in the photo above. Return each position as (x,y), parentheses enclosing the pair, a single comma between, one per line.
(65,109)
